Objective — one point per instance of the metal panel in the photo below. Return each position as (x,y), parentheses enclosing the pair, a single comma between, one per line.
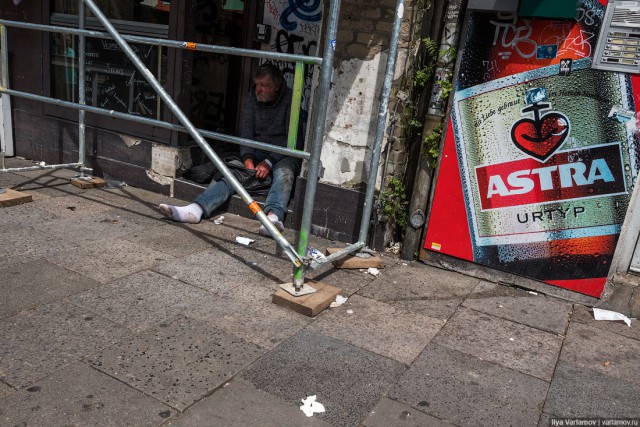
(618,47)
(493,5)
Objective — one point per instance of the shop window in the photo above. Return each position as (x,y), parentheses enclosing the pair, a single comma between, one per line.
(111,82)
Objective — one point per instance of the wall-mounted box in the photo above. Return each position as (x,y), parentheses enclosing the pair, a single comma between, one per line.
(618,47)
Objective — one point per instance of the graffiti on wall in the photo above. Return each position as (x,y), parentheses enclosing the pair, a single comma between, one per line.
(541,153)
(296,26)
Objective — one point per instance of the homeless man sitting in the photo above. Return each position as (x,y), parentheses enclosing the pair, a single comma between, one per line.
(265,118)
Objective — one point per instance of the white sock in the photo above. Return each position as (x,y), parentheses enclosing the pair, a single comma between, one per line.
(191,214)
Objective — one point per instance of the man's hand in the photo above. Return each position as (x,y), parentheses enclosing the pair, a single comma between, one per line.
(262,170)
(248,163)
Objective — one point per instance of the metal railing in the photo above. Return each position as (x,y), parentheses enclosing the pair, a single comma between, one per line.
(300,259)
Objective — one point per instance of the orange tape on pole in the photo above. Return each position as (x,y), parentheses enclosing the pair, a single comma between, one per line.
(191,45)
(254,207)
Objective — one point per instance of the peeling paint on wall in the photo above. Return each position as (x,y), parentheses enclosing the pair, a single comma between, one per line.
(351,120)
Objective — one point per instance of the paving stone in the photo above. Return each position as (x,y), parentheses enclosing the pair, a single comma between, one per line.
(142,300)
(509,344)
(239,404)
(31,242)
(350,281)
(172,240)
(578,392)
(246,311)
(467,391)
(29,284)
(28,213)
(424,289)
(538,311)
(347,380)
(604,352)
(39,342)
(378,327)
(81,396)
(110,259)
(216,271)
(179,362)
(5,389)
(391,413)
(545,420)
(584,315)
(71,206)
(47,185)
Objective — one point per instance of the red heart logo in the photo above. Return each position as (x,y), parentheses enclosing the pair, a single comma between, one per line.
(540,138)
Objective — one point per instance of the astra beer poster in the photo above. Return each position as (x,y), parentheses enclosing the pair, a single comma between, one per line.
(541,151)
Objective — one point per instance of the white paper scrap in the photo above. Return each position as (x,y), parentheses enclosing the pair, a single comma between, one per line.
(373,271)
(339,301)
(600,314)
(219,220)
(310,406)
(244,240)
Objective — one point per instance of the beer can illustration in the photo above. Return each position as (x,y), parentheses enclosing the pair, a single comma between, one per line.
(546,169)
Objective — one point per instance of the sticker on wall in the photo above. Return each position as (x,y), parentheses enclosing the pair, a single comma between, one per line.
(547,51)
(565,66)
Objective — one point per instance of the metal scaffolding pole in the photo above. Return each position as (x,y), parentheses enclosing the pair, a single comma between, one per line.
(82,69)
(317,139)
(382,121)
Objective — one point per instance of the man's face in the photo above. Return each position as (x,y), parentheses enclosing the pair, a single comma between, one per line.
(266,89)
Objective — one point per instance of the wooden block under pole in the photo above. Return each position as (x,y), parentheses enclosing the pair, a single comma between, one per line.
(309,305)
(11,197)
(94,182)
(352,261)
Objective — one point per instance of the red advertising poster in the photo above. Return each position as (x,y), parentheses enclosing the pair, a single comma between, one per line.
(541,151)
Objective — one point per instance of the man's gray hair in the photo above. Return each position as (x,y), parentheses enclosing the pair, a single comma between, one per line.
(269,69)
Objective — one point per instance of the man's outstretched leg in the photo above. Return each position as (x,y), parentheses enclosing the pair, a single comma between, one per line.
(284,174)
(204,205)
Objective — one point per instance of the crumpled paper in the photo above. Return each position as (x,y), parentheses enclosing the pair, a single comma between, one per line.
(244,240)
(339,301)
(600,314)
(373,271)
(219,220)
(310,406)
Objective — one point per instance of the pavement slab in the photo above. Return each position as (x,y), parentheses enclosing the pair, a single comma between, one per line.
(31,242)
(90,399)
(5,389)
(39,342)
(238,404)
(142,300)
(379,327)
(47,184)
(468,391)
(32,283)
(579,392)
(604,352)
(500,341)
(246,311)
(391,413)
(431,291)
(29,214)
(584,315)
(171,239)
(71,206)
(217,271)
(109,259)
(178,362)
(538,311)
(346,379)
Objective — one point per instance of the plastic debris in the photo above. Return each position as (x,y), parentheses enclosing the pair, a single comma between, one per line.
(349,311)
(317,255)
(244,240)
(600,314)
(373,271)
(339,301)
(112,182)
(219,220)
(533,293)
(310,406)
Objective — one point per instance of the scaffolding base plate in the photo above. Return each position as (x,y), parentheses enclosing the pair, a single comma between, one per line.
(310,304)
(93,182)
(10,197)
(352,261)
